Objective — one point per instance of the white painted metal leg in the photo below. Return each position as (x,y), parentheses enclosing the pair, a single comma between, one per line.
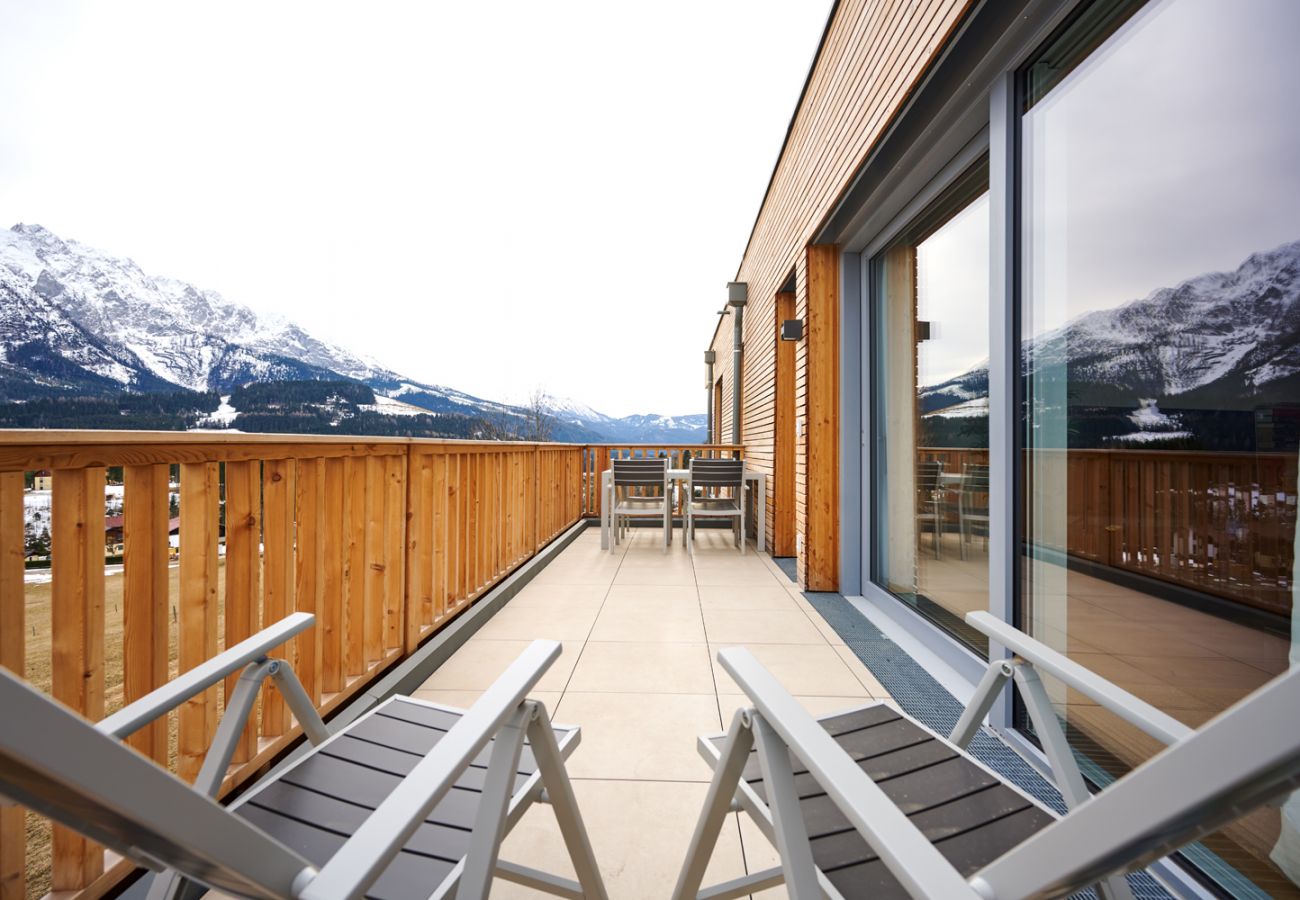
(717,803)
(550,764)
(490,818)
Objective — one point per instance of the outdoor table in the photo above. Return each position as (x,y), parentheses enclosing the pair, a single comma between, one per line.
(752,480)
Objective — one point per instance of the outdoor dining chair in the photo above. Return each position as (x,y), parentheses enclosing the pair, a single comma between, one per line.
(410,801)
(871,803)
(930,500)
(973,504)
(640,490)
(720,485)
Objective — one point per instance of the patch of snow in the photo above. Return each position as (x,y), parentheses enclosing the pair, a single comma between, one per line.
(393,407)
(1149,437)
(968,409)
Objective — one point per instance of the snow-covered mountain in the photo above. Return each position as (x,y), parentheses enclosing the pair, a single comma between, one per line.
(1221,340)
(633,429)
(74,319)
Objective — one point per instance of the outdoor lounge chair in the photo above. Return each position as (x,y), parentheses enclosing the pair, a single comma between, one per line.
(651,474)
(410,801)
(869,803)
(711,477)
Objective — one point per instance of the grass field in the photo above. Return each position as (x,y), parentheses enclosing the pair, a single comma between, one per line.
(38,673)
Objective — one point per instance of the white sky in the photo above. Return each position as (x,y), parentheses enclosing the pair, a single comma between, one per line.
(492,196)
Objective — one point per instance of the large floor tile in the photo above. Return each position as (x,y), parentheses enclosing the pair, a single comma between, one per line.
(650,574)
(652,594)
(578,573)
(466,699)
(480,662)
(760,626)
(816,706)
(677,622)
(527,623)
(734,575)
(639,736)
(861,672)
(744,597)
(810,670)
(639,834)
(555,596)
(642,667)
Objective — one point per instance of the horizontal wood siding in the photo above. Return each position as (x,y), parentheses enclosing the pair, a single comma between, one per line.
(873,54)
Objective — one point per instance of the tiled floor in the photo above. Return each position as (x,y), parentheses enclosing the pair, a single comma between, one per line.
(641,631)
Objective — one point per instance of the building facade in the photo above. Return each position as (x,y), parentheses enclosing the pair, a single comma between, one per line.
(1042,261)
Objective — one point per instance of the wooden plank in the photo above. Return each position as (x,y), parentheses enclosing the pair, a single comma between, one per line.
(243,574)
(13,650)
(27,450)
(197,608)
(394,551)
(145,552)
(374,565)
(309,561)
(438,537)
(354,573)
(278,491)
(331,622)
(418,558)
(821,536)
(77,616)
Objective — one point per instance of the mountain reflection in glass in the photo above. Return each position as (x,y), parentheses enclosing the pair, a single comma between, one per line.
(1160,317)
(930,306)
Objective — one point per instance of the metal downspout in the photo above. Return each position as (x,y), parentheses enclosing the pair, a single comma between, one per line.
(737,296)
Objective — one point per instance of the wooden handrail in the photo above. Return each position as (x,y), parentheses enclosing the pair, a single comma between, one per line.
(385,540)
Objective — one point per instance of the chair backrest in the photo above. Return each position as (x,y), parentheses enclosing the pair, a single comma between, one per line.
(927,476)
(55,763)
(975,479)
(647,472)
(1240,760)
(717,473)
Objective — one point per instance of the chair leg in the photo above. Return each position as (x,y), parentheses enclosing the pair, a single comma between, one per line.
(490,820)
(717,804)
(743,534)
(559,790)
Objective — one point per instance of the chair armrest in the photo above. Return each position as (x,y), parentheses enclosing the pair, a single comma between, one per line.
(163,700)
(1135,711)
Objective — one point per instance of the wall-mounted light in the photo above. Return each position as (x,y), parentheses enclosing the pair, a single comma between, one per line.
(792,330)
(922,331)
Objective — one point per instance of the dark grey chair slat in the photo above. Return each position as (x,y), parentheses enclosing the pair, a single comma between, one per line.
(399,734)
(431,838)
(400,763)
(366,787)
(408,877)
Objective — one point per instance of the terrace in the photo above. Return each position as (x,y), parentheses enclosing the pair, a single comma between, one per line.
(430,565)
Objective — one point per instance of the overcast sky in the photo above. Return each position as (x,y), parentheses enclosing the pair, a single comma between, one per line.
(492,196)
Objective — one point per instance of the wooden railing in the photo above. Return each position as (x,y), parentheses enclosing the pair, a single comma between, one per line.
(385,540)
(1220,523)
(596,459)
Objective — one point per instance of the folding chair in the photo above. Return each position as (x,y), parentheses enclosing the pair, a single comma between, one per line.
(712,477)
(410,801)
(870,803)
(630,474)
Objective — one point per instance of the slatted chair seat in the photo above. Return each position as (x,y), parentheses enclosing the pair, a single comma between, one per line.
(966,811)
(869,803)
(319,803)
(409,802)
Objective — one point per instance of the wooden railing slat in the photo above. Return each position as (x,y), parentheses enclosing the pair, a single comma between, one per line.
(278,493)
(197,608)
(310,570)
(145,555)
(330,622)
(374,564)
(243,573)
(13,653)
(354,575)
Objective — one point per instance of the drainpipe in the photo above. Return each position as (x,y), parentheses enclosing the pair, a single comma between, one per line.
(737,295)
(709,357)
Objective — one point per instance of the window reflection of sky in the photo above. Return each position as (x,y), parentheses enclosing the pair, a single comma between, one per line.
(952,270)
(1168,154)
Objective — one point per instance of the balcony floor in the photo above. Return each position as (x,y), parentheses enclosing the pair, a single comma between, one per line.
(641,631)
